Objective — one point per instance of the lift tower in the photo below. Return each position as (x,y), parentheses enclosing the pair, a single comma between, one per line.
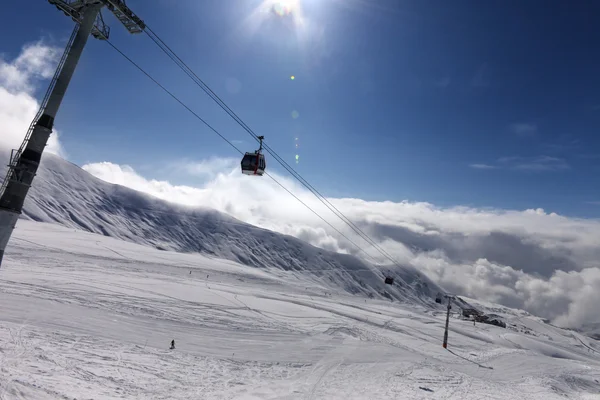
(25,161)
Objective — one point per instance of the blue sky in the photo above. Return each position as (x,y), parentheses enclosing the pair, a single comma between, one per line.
(492,103)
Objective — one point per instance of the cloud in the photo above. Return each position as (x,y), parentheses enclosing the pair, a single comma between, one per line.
(36,61)
(531,164)
(126,176)
(594,203)
(206,168)
(18,106)
(524,129)
(482,166)
(539,164)
(530,259)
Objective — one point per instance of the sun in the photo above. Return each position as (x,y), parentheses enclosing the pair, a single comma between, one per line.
(283,7)
(289,11)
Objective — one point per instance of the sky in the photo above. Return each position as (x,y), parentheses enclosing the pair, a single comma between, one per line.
(470,128)
(491,103)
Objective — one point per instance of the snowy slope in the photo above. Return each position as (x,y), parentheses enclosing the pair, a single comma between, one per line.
(86,316)
(65,194)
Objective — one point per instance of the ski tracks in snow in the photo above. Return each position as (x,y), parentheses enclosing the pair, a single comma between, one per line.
(328,363)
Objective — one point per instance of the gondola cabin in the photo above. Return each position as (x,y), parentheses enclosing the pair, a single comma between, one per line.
(389,280)
(253,164)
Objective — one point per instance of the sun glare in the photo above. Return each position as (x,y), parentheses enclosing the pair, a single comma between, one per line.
(285,10)
(283,7)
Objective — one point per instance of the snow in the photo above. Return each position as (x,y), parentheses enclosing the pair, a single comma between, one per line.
(86,316)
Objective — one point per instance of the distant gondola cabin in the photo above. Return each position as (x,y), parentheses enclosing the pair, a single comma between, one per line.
(389,280)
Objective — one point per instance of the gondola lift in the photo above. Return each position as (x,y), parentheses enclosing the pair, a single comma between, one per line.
(254,163)
(389,280)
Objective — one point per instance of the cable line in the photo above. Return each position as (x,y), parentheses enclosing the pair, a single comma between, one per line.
(232,145)
(192,75)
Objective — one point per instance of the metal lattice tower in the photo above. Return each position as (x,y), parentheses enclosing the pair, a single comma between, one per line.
(25,161)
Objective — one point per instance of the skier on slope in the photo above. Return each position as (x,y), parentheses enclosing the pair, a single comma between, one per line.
(172,345)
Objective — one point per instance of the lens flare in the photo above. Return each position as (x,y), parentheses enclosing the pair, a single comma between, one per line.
(284,7)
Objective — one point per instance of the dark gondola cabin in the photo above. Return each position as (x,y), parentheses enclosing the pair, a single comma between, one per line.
(389,280)
(254,163)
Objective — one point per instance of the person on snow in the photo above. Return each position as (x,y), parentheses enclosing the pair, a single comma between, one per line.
(172,344)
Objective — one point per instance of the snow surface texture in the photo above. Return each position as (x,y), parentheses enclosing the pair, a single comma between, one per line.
(86,316)
(65,194)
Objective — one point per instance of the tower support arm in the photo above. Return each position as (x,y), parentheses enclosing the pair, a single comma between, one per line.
(132,22)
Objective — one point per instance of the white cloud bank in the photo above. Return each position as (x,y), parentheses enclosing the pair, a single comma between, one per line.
(542,262)
(18,106)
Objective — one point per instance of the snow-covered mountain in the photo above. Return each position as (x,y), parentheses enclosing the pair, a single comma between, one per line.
(65,194)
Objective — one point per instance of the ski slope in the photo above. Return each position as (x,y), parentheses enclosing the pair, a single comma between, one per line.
(86,316)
